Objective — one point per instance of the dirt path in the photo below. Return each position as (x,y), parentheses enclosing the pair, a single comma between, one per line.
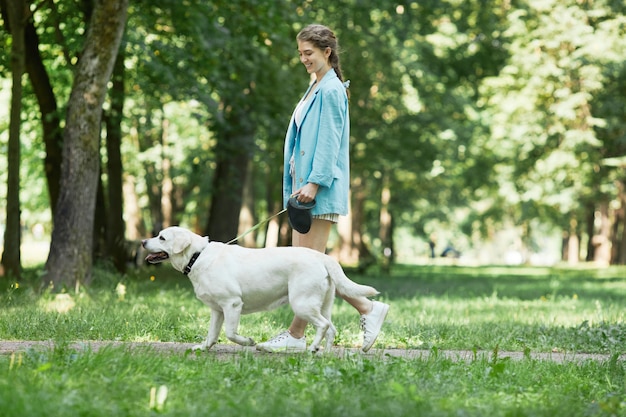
(227,350)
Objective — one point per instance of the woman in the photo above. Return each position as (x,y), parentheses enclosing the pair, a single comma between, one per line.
(316,167)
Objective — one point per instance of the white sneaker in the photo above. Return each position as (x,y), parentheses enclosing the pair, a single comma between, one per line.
(284,342)
(371,324)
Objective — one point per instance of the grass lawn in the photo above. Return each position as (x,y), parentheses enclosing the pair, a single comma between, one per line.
(433,307)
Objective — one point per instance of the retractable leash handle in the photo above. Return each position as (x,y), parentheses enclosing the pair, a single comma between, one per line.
(300,217)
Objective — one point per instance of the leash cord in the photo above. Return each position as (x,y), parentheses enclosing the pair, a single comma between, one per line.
(253,228)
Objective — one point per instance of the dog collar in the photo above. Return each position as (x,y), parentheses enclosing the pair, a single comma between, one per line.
(191,262)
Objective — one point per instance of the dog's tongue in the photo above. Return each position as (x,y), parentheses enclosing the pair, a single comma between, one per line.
(155,258)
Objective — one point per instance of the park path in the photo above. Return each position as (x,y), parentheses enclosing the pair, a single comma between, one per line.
(8,347)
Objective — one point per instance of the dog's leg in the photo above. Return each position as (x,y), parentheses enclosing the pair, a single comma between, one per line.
(327,309)
(232,314)
(322,326)
(330,336)
(309,310)
(311,300)
(322,321)
(215,325)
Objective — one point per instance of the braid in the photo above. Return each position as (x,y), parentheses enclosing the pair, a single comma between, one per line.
(334,62)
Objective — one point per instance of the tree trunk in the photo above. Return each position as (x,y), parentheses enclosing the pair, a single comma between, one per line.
(232,156)
(346,251)
(50,120)
(246,217)
(12,237)
(135,228)
(602,239)
(272,233)
(115,231)
(385,230)
(572,246)
(276,233)
(353,249)
(149,137)
(100,250)
(590,221)
(618,237)
(70,258)
(167,185)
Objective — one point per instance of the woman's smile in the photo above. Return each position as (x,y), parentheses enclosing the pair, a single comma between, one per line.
(314,59)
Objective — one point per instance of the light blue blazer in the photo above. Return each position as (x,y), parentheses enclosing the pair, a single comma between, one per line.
(320,147)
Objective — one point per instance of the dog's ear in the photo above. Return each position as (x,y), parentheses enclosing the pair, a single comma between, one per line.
(181,242)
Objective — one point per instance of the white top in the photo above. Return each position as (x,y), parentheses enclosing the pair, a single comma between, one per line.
(300,106)
(299,114)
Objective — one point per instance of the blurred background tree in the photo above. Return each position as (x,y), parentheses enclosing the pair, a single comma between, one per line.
(494,127)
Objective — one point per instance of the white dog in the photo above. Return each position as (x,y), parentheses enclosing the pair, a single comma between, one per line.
(233,280)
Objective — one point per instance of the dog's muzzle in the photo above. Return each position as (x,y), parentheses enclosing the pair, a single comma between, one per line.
(155,258)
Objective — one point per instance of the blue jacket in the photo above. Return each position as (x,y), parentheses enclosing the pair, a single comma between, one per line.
(320,147)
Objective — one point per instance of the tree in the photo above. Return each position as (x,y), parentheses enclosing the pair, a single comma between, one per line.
(544,121)
(17,12)
(245,79)
(416,137)
(236,55)
(114,218)
(49,113)
(70,260)
(467,117)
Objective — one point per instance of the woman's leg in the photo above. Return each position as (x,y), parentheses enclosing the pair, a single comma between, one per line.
(316,239)
(372,313)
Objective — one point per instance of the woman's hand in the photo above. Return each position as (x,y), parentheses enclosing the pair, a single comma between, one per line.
(307,193)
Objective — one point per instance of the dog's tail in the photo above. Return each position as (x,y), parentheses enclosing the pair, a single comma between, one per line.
(344,285)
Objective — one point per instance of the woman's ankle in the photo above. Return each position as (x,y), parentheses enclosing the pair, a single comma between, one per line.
(296,333)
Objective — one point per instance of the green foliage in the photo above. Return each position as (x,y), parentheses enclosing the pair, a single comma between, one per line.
(225,66)
(544,127)
(476,114)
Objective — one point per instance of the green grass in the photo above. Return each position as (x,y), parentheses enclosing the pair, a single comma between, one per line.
(540,309)
(115,382)
(434,308)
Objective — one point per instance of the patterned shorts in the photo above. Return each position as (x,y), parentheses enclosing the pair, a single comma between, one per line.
(331,217)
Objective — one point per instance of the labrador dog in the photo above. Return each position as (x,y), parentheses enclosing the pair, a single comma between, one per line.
(233,280)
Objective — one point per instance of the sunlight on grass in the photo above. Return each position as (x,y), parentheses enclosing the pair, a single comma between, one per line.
(433,309)
(443,307)
(61,303)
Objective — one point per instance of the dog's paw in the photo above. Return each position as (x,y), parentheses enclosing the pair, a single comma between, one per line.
(249,342)
(314,351)
(198,347)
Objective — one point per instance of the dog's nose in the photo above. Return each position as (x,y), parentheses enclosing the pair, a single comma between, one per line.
(143,242)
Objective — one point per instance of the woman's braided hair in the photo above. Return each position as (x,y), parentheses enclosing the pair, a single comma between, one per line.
(322,37)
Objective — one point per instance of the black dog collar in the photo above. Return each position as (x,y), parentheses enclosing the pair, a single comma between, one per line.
(191,262)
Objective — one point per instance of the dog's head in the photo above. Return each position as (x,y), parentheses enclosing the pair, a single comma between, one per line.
(169,242)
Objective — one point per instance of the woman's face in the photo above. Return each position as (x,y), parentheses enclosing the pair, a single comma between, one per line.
(314,59)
